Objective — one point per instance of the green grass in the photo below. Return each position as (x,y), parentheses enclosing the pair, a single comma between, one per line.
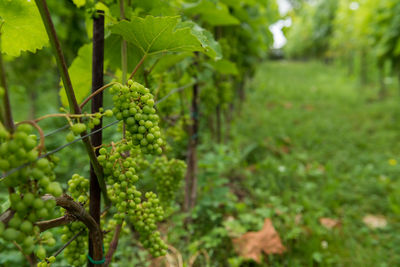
(318,145)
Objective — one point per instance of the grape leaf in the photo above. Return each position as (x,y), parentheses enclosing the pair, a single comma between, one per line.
(155,35)
(81,75)
(214,14)
(205,37)
(21,27)
(112,53)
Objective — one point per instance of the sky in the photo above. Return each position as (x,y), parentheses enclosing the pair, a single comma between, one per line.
(276,28)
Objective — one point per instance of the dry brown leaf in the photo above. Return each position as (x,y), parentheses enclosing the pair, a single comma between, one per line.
(375,221)
(329,223)
(288,105)
(278,212)
(309,107)
(285,149)
(298,218)
(252,244)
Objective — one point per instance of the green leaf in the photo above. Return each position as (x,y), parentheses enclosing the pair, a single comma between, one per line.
(213,48)
(21,27)
(80,72)
(79,3)
(156,35)
(214,14)
(112,53)
(225,66)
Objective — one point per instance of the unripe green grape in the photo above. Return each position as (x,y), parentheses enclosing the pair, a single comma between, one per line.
(10,234)
(78,128)
(41,252)
(2,227)
(26,227)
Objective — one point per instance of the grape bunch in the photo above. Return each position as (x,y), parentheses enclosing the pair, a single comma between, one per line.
(168,175)
(94,120)
(78,188)
(21,228)
(30,184)
(75,252)
(45,238)
(120,172)
(119,166)
(144,218)
(134,105)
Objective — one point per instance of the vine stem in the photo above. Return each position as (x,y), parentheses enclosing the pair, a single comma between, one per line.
(41,146)
(137,67)
(8,118)
(61,63)
(57,115)
(113,244)
(79,212)
(62,66)
(124,46)
(45,225)
(98,91)
(30,258)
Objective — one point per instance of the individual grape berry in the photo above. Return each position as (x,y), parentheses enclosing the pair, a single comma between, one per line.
(78,128)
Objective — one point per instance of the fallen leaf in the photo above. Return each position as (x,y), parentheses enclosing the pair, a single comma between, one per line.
(287,105)
(329,223)
(308,107)
(278,212)
(252,244)
(375,221)
(252,168)
(298,218)
(285,149)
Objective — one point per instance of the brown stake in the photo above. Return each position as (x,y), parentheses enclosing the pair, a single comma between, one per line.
(96,139)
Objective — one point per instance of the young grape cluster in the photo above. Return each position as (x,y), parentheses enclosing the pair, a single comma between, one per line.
(168,175)
(93,120)
(78,188)
(119,166)
(30,184)
(75,253)
(120,172)
(144,218)
(134,104)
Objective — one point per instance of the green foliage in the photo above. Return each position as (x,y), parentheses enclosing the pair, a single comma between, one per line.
(155,35)
(312,29)
(170,54)
(21,28)
(80,72)
(211,13)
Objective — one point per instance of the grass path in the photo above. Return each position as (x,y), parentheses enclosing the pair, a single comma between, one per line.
(320,147)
